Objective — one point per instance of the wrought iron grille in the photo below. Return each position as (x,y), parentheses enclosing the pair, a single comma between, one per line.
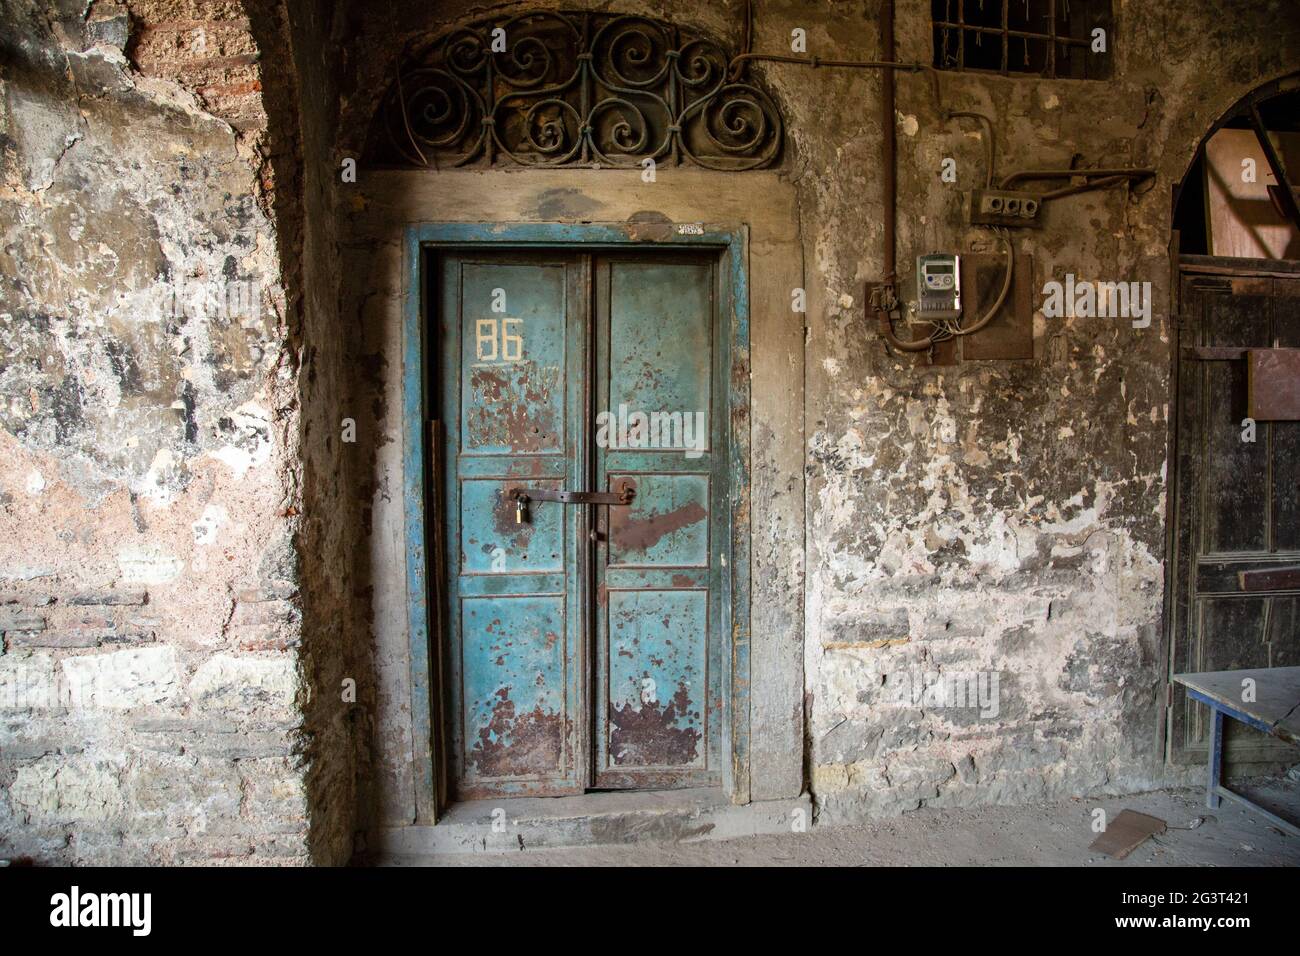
(1051,38)
(572,89)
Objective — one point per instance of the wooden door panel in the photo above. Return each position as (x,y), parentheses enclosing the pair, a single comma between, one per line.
(1284,624)
(1285,436)
(660,335)
(665,525)
(516,714)
(657,699)
(1235,518)
(1237,503)
(657,666)
(513,394)
(512,334)
(1238,637)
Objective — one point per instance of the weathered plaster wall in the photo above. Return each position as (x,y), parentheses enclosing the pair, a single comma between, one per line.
(1000,517)
(995,517)
(157,682)
(193,563)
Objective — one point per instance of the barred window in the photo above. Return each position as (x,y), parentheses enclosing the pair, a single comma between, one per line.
(1049,38)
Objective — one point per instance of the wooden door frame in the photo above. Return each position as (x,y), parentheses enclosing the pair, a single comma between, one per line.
(1185,266)
(425,580)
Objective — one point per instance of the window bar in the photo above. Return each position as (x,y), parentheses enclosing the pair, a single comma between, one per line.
(944,33)
(961,34)
(1051,44)
(1006,37)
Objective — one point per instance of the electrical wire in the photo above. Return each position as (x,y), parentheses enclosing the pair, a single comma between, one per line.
(1005,236)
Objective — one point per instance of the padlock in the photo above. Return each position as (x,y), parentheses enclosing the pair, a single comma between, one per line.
(519,509)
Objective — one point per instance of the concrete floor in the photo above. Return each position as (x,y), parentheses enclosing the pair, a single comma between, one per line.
(1054,834)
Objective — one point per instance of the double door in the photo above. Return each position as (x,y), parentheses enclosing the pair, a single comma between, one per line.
(583,490)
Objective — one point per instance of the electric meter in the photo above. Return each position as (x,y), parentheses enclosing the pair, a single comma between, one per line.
(938,284)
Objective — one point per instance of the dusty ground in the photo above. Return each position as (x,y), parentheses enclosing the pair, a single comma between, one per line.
(1054,834)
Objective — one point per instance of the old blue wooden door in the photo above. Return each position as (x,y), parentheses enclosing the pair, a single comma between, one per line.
(582,646)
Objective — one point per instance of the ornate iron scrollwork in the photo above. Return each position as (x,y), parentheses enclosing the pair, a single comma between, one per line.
(574,89)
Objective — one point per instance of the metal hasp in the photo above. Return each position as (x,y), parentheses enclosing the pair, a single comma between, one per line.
(574,89)
(521,497)
(1274,708)
(565,497)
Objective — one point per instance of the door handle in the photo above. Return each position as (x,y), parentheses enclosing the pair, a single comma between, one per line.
(521,497)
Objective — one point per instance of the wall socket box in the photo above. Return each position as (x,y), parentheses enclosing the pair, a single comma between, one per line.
(1005,207)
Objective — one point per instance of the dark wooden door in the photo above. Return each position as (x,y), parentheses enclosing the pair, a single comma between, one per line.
(1237,504)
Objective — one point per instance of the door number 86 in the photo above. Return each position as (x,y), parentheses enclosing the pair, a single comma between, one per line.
(496,340)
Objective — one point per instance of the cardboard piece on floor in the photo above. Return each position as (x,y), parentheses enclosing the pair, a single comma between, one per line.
(1127,832)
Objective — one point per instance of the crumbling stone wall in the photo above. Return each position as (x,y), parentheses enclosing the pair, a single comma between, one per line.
(158,685)
(192,564)
(991,518)
(996,518)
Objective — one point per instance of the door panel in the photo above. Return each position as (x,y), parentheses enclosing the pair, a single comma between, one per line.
(660,334)
(1237,505)
(513,336)
(665,526)
(583,642)
(657,699)
(513,405)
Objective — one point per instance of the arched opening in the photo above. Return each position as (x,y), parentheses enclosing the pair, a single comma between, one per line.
(1230,202)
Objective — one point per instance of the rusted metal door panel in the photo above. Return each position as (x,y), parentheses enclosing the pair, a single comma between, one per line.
(583,646)
(1237,503)
(657,696)
(513,341)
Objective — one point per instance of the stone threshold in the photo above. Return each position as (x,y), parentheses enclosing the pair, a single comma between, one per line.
(591,819)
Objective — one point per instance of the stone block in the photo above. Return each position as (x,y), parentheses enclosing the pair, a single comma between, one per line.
(115,598)
(68,789)
(245,685)
(121,680)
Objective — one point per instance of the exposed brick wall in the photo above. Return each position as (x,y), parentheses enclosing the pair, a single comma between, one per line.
(207,48)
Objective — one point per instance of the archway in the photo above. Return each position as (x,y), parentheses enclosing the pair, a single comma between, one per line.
(1236,511)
